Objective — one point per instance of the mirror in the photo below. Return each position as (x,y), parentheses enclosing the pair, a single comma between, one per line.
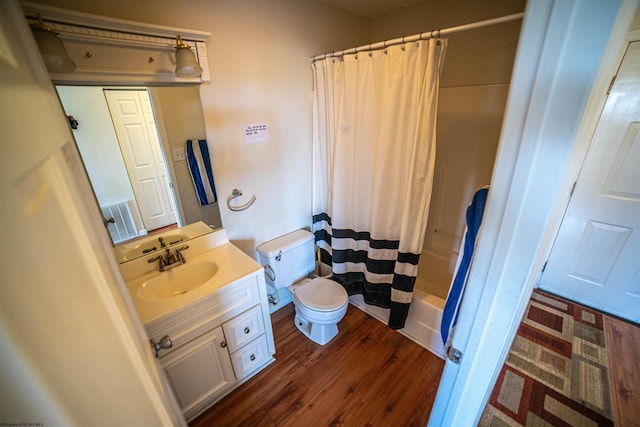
(132,142)
(160,241)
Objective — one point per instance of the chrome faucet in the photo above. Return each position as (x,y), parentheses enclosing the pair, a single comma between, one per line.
(169,260)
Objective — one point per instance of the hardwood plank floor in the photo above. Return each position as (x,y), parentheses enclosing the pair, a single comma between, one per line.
(368,375)
(623,347)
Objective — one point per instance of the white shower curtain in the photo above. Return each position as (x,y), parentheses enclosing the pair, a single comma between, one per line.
(373,161)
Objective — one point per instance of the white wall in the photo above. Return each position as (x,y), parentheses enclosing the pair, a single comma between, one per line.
(259,61)
(179,111)
(72,352)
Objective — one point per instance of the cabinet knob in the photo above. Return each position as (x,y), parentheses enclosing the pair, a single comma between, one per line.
(223,344)
(165,342)
(253,357)
(247,330)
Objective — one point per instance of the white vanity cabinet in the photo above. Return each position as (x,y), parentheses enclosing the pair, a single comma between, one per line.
(199,371)
(218,342)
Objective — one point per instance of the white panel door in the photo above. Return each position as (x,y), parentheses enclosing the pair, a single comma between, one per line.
(136,131)
(161,167)
(595,259)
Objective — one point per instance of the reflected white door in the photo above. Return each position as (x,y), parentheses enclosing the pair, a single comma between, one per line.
(595,259)
(136,130)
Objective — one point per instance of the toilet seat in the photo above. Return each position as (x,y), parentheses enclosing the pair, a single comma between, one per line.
(321,295)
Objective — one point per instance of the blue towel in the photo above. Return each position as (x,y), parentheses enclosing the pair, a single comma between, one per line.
(201,172)
(474,219)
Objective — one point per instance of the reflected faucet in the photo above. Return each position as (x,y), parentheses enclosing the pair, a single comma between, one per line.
(162,243)
(170,260)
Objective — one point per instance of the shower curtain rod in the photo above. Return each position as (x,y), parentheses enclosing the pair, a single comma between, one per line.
(421,36)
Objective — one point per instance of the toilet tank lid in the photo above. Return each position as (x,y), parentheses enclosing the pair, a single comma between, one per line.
(284,243)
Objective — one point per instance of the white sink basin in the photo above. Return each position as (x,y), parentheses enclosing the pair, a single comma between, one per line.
(177,281)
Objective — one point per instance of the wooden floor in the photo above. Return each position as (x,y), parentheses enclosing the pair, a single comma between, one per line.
(623,347)
(368,375)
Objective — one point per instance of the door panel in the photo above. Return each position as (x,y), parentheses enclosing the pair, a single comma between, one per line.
(136,131)
(152,130)
(595,259)
(199,371)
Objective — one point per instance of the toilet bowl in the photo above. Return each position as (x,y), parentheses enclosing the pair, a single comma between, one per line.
(320,304)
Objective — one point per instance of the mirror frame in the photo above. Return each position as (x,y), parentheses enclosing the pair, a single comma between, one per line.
(115,39)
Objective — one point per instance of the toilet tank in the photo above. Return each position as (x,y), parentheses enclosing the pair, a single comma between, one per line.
(289,258)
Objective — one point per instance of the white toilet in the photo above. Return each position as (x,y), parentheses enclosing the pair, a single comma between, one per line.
(320,303)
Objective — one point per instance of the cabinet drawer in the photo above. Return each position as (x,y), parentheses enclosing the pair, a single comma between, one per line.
(250,357)
(220,306)
(243,328)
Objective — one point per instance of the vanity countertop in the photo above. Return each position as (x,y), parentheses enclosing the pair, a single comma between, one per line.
(232,264)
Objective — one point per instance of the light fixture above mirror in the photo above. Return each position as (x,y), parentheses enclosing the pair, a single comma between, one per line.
(118,51)
(186,63)
(51,48)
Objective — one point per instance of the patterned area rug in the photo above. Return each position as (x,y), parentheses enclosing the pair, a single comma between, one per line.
(556,373)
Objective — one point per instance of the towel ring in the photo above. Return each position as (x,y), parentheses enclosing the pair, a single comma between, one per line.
(237,193)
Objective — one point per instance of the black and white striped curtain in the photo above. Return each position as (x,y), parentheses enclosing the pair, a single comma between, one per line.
(373,161)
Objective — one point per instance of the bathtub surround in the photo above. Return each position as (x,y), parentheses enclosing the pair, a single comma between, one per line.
(473,92)
(373,157)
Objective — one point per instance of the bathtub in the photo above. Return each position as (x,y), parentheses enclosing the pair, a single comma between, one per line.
(424,318)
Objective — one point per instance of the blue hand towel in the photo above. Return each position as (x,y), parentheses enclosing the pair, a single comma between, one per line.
(201,172)
(475,212)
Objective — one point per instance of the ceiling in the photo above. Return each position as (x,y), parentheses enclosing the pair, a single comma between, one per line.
(372,8)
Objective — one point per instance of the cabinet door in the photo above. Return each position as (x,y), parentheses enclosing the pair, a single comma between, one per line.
(200,371)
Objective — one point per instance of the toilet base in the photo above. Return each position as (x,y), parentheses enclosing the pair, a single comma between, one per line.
(316,332)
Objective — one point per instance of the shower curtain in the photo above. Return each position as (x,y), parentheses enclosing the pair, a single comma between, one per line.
(373,160)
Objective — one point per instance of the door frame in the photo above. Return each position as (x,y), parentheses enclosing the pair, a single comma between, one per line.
(566,55)
(581,149)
